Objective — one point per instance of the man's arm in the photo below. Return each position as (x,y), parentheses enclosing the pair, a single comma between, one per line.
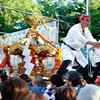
(95,44)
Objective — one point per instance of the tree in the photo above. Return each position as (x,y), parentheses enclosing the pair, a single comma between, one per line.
(66,13)
(95,18)
(13,20)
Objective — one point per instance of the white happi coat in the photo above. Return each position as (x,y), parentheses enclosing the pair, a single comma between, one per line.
(77,40)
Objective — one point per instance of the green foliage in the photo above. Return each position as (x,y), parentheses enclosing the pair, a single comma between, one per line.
(9,18)
(95,18)
(66,13)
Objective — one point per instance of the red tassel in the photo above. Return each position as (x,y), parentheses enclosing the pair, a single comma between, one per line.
(4,62)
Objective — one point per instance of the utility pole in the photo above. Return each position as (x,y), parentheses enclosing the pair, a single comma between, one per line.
(87,7)
(90,64)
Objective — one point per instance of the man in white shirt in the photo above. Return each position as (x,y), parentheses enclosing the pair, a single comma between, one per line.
(78,36)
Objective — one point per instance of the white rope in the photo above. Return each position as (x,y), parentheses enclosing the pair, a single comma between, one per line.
(16,10)
(29,13)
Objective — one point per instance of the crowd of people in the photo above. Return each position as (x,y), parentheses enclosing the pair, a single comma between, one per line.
(72,87)
(65,84)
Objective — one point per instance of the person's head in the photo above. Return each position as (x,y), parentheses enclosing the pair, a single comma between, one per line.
(84,20)
(25,77)
(89,80)
(89,92)
(3,77)
(2,71)
(73,78)
(32,96)
(67,93)
(38,81)
(56,81)
(13,88)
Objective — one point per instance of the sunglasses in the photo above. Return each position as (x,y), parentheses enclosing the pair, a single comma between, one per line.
(86,19)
